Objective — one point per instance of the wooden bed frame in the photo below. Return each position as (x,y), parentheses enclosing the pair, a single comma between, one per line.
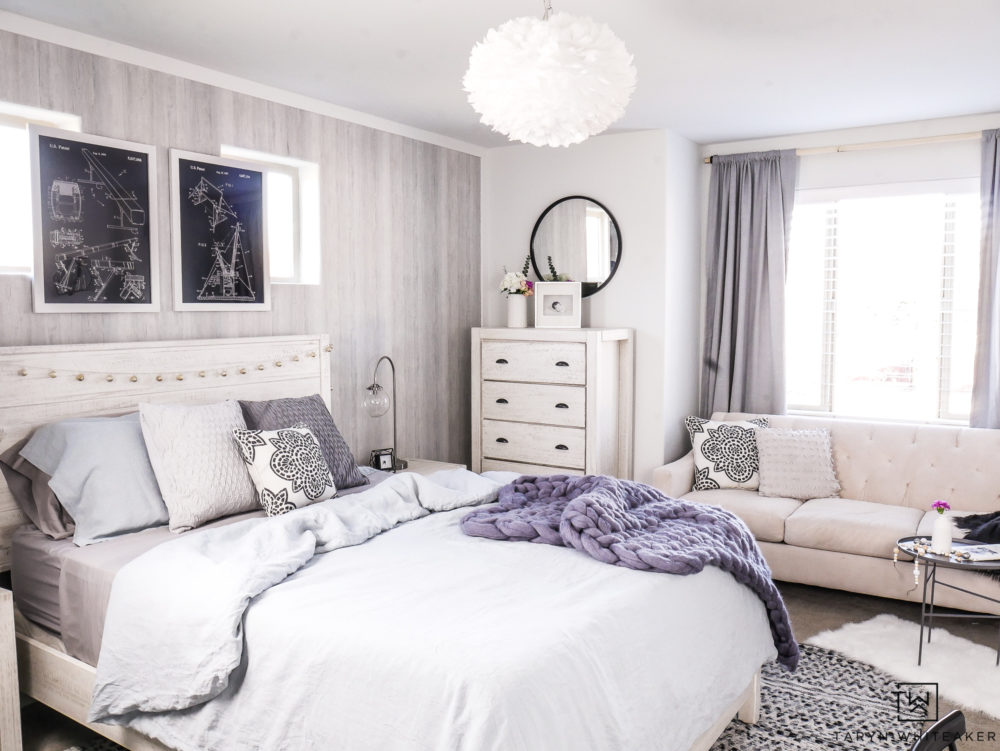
(42,384)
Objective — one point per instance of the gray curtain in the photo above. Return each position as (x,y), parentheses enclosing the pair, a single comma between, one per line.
(986,382)
(749,214)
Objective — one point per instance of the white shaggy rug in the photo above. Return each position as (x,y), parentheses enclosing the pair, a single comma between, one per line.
(966,672)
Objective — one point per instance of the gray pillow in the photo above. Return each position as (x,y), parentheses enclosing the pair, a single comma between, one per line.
(100,473)
(312,412)
(31,491)
(796,464)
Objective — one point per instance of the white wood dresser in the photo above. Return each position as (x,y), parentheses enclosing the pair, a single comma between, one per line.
(553,401)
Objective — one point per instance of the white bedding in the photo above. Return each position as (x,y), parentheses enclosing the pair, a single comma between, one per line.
(424,638)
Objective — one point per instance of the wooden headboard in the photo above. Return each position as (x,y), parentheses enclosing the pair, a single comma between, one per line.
(42,384)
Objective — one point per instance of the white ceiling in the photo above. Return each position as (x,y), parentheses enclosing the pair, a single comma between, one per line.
(712,70)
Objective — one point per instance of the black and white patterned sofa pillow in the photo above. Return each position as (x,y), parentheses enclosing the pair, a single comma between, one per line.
(725,453)
(287,467)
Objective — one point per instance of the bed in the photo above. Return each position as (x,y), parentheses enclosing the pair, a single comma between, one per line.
(447,642)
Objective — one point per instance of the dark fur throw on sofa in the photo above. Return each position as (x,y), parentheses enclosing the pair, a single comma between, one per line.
(982,528)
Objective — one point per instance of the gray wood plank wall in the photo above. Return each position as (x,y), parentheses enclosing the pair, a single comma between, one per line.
(400,239)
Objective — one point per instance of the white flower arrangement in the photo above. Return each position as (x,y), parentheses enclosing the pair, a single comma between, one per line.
(517,282)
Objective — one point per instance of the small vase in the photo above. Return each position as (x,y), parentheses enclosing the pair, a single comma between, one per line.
(517,311)
(941,539)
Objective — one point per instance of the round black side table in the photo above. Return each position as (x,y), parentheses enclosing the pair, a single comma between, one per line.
(931,561)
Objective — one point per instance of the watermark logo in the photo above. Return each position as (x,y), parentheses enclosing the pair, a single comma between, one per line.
(916,702)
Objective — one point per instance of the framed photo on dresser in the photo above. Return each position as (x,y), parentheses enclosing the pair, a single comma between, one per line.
(94,219)
(558,305)
(219,234)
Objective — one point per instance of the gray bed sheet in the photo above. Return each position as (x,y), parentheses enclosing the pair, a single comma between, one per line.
(36,562)
(65,588)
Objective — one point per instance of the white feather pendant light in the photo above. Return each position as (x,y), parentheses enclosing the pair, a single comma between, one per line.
(551,81)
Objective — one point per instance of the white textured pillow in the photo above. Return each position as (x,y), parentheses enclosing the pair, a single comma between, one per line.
(287,467)
(196,462)
(796,464)
(725,453)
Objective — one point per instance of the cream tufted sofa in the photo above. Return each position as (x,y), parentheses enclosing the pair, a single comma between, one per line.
(889,473)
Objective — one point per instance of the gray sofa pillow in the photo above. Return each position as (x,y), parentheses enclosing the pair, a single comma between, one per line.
(312,412)
(31,491)
(796,464)
(100,473)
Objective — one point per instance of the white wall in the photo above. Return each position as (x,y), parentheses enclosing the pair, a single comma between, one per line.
(683,302)
(944,126)
(872,166)
(649,182)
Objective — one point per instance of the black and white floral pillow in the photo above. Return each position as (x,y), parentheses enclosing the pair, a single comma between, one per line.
(725,453)
(286,466)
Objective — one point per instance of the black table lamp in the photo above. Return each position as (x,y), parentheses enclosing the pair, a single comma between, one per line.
(376,404)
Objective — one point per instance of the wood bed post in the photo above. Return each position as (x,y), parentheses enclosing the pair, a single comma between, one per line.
(750,711)
(10,696)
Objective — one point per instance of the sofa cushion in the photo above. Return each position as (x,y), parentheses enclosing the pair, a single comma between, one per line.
(764,516)
(849,526)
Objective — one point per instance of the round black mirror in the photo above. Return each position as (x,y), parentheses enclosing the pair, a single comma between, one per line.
(577,239)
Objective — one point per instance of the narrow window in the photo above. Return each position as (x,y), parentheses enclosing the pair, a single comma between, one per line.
(292,189)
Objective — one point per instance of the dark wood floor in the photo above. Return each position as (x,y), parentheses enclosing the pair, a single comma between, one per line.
(812,610)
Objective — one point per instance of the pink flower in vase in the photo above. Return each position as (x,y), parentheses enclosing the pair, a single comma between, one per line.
(941,506)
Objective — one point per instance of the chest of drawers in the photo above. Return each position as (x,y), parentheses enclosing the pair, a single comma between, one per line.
(550,401)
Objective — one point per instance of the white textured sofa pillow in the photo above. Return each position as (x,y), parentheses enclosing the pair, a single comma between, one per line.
(796,464)
(196,462)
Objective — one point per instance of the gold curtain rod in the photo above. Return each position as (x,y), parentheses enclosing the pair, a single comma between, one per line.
(971,136)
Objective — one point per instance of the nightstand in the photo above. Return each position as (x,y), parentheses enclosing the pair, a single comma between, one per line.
(428,466)
(10,698)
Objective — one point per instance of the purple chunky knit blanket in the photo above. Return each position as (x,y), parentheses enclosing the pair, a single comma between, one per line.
(633,525)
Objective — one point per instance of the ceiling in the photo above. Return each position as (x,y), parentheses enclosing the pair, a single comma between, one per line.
(712,70)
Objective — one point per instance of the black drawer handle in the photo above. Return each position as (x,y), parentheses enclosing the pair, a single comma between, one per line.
(502,440)
(562,447)
(562,364)
(502,401)
(562,405)
(501,361)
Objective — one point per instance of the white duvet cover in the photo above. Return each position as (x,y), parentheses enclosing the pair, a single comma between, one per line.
(425,638)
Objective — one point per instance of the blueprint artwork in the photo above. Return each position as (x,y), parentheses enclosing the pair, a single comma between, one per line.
(221,233)
(95,223)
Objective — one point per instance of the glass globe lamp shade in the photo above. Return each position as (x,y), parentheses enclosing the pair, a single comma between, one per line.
(376,401)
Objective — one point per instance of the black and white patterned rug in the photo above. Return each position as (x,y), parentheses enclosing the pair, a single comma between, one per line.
(831,703)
